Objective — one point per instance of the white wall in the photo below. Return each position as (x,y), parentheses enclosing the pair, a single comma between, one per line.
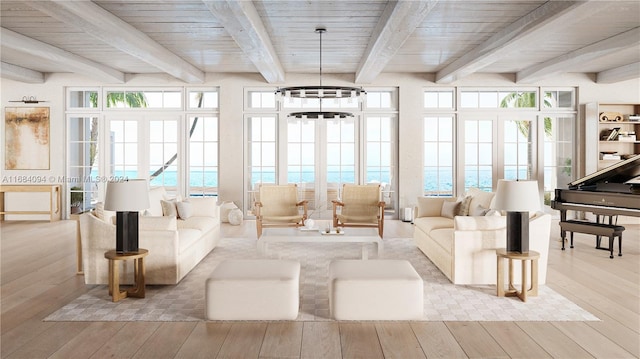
(231,115)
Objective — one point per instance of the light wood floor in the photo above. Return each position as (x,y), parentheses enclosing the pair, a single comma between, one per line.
(38,277)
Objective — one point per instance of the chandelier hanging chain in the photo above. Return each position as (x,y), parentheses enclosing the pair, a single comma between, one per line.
(320,30)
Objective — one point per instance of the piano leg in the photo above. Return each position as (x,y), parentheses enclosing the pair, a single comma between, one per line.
(598,238)
(563,233)
(620,245)
(571,235)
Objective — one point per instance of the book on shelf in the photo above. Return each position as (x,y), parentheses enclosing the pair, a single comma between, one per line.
(632,118)
(610,156)
(614,134)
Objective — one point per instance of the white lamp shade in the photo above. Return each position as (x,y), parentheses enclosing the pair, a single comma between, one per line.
(517,196)
(127,196)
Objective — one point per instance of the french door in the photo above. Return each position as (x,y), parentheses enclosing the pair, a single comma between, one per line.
(497,147)
(146,146)
(321,155)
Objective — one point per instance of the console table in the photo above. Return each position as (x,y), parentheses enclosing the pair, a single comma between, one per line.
(54,191)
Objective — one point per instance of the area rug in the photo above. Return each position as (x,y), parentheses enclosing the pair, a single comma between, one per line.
(443,301)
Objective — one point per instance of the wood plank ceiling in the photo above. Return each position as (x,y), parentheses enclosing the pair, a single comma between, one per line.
(529,39)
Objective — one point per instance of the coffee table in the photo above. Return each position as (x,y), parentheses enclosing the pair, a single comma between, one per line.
(303,235)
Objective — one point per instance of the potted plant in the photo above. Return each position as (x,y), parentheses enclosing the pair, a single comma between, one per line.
(77,198)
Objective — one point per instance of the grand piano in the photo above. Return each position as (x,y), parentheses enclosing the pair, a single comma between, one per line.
(611,191)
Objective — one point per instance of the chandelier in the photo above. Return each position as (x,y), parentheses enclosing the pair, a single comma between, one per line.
(320,92)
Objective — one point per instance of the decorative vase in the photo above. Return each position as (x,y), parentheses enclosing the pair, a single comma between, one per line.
(235,217)
(225,208)
(309,223)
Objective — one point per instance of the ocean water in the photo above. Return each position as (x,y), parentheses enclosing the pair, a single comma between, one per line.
(435,182)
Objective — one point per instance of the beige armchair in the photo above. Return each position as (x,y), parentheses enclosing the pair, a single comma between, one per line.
(279,207)
(360,207)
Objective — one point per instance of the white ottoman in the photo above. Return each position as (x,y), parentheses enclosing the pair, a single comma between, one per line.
(375,290)
(260,289)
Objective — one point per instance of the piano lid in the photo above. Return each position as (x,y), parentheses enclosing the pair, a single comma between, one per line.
(623,172)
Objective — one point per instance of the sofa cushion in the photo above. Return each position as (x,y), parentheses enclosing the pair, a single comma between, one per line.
(431,206)
(427,224)
(156,194)
(204,206)
(200,223)
(449,209)
(161,223)
(468,223)
(480,198)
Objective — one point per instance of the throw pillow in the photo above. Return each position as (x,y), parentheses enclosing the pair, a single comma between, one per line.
(429,206)
(100,210)
(449,209)
(184,209)
(465,204)
(479,211)
(493,212)
(169,208)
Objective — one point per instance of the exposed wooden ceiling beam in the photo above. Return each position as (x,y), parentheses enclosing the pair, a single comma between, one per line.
(507,39)
(567,61)
(622,73)
(242,21)
(72,62)
(19,73)
(398,21)
(103,25)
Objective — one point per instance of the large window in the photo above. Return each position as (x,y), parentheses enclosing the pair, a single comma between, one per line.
(203,155)
(123,145)
(142,133)
(518,147)
(319,155)
(473,137)
(478,154)
(438,155)
(163,153)
(82,170)
(262,150)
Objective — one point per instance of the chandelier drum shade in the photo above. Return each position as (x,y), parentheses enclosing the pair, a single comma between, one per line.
(321,92)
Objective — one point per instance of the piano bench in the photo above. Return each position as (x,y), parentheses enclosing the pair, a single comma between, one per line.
(597,229)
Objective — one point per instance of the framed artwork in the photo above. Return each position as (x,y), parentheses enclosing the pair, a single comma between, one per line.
(27,145)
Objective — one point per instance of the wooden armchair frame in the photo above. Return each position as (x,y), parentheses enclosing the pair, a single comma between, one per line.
(285,213)
(348,220)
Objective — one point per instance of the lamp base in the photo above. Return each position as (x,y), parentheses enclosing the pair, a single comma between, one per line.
(518,232)
(126,232)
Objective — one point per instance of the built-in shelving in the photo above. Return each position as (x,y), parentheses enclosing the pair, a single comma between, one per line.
(614,130)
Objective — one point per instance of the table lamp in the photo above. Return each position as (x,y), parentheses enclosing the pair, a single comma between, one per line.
(127,198)
(517,198)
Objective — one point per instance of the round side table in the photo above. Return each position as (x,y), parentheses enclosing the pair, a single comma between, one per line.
(533,256)
(137,291)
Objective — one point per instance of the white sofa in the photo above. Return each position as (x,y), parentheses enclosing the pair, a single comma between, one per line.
(463,247)
(175,245)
